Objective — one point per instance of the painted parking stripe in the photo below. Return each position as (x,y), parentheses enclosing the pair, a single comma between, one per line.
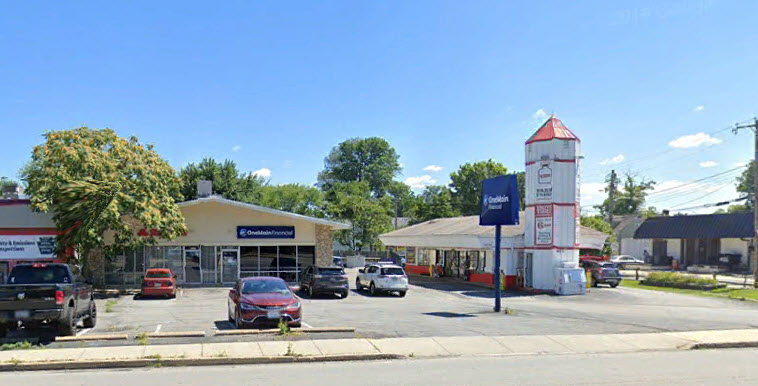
(84,331)
(306,325)
(158,329)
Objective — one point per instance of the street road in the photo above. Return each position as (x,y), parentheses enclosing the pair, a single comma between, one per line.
(704,367)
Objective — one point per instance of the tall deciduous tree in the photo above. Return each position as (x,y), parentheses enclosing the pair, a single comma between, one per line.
(361,159)
(78,173)
(369,216)
(435,202)
(629,198)
(466,184)
(295,198)
(227,181)
(402,197)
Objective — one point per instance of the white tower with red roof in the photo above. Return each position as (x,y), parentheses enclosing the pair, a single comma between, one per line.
(551,228)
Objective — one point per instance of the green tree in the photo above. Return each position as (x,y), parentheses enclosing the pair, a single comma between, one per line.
(435,202)
(630,198)
(361,159)
(746,186)
(227,181)
(402,195)
(295,198)
(599,224)
(369,216)
(466,184)
(93,181)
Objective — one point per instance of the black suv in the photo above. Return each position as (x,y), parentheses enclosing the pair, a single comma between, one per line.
(319,280)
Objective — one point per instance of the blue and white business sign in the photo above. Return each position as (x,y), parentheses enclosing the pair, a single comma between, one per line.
(500,201)
(265,232)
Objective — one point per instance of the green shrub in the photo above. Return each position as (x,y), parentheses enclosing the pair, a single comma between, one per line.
(678,278)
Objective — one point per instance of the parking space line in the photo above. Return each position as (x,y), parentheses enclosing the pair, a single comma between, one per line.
(158,329)
(84,331)
(306,325)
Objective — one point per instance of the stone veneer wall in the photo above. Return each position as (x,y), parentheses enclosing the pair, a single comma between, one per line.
(324,245)
(95,267)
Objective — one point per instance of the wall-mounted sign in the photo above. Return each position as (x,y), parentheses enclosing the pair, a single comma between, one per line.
(543,231)
(544,187)
(265,232)
(500,201)
(27,247)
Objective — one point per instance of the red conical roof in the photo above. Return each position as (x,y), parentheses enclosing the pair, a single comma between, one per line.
(553,128)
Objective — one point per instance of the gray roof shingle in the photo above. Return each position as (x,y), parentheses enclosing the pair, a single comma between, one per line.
(706,226)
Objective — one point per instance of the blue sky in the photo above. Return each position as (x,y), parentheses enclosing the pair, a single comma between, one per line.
(275,86)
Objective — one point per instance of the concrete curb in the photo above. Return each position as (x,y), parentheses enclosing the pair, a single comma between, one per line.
(176,334)
(175,362)
(706,346)
(83,338)
(315,330)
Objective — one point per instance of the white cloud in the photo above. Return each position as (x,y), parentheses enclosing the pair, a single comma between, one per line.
(540,115)
(236,148)
(698,108)
(263,172)
(708,164)
(613,160)
(420,182)
(694,140)
(741,163)
(433,168)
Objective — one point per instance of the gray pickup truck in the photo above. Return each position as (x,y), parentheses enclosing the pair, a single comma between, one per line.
(40,295)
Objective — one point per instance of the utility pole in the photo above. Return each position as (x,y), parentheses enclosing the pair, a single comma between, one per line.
(754,127)
(612,197)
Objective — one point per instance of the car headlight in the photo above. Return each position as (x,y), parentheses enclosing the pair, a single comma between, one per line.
(248,307)
(295,305)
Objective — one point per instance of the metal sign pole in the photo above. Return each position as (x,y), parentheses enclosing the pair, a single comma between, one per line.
(497,268)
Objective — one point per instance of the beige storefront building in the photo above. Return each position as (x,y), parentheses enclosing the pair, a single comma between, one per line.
(227,240)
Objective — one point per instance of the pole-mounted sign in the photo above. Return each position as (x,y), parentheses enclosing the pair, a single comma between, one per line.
(499,205)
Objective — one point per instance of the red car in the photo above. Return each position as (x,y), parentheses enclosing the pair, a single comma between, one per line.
(263,301)
(159,282)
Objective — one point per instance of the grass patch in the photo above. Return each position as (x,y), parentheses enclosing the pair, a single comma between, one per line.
(678,278)
(109,305)
(142,339)
(16,346)
(724,293)
(284,328)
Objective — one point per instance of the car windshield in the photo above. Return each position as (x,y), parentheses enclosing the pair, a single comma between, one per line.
(392,271)
(158,275)
(330,271)
(27,274)
(264,286)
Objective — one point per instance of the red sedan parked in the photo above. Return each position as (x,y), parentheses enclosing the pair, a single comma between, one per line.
(263,301)
(159,282)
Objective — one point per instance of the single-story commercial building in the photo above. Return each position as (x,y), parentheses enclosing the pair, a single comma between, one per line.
(693,240)
(25,235)
(460,247)
(228,240)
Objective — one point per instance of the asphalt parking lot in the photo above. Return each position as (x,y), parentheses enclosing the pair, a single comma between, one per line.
(442,309)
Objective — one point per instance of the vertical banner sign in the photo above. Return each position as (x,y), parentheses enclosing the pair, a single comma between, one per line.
(499,205)
(543,225)
(544,187)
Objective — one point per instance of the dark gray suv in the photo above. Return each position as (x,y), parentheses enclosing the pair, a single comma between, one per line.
(320,280)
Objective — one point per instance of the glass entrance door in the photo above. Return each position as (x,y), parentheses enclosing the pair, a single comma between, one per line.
(229,265)
(194,274)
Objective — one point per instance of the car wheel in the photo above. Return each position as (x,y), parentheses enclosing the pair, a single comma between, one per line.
(372,289)
(67,324)
(345,293)
(402,294)
(296,325)
(91,320)
(614,284)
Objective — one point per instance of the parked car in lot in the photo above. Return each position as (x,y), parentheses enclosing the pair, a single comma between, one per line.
(159,282)
(622,261)
(321,280)
(260,301)
(382,278)
(602,273)
(338,261)
(39,295)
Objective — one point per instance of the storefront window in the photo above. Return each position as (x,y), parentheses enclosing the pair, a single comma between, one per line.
(175,262)
(410,256)
(473,257)
(154,257)
(268,261)
(249,259)
(208,263)
(306,256)
(288,263)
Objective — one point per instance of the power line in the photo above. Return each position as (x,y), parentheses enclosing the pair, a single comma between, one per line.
(695,181)
(715,204)
(725,180)
(699,198)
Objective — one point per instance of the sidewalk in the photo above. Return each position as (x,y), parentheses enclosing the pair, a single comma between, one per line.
(366,349)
